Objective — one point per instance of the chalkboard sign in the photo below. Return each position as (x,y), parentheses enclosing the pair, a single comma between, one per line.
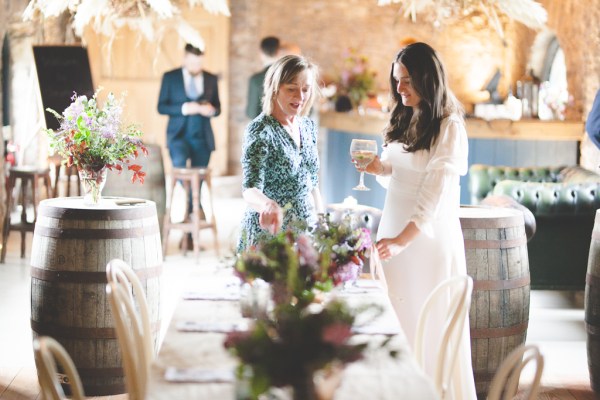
(61,71)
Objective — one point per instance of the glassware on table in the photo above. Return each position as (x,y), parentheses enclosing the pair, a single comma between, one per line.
(363,152)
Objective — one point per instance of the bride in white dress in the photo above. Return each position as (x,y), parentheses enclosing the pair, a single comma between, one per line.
(419,237)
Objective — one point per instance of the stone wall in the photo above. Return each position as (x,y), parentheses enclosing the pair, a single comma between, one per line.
(471,51)
(576,25)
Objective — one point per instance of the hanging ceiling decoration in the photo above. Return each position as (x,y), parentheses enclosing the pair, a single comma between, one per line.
(148,17)
(528,12)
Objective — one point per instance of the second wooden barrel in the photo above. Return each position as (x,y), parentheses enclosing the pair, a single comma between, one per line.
(72,244)
(592,306)
(497,260)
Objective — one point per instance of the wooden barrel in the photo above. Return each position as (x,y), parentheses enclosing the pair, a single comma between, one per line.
(592,306)
(497,260)
(153,188)
(72,244)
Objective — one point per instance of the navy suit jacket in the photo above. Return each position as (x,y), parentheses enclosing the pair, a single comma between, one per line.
(592,125)
(171,98)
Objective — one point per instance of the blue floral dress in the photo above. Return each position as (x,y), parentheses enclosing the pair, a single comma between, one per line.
(272,163)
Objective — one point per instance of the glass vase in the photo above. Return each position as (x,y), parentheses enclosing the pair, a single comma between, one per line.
(92,182)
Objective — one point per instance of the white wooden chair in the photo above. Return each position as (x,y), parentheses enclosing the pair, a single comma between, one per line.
(456,292)
(48,353)
(506,380)
(133,329)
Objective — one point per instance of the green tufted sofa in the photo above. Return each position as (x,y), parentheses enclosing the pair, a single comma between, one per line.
(564,202)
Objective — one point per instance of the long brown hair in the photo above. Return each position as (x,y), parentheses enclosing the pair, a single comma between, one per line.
(418,131)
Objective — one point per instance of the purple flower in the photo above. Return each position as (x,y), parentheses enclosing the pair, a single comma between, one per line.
(347,273)
(306,251)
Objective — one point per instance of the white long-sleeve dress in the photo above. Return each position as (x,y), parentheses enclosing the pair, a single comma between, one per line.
(424,187)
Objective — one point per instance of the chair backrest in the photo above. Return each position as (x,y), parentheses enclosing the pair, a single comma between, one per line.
(133,329)
(48,353)
(506,380)
(456,293)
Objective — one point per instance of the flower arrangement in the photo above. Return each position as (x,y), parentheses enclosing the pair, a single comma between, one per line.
(289,349)
(146,17)
(345,246)
(356,80)
(289,262)
(554,100)
(93,138)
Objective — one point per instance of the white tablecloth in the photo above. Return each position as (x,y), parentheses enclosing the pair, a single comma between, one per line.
(377,376)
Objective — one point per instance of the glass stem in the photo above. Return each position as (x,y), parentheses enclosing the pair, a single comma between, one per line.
(361,183)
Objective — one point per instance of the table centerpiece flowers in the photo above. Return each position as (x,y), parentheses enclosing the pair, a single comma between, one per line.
(287,350)
(342,246)
(289,262)
(95,140)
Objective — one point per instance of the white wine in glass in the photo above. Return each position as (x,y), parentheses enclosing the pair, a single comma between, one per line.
(363,152)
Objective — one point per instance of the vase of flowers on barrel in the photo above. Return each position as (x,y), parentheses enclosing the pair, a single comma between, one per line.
(95,140)
(92,181)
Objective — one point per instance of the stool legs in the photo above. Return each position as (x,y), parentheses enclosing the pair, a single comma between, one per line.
(26,176)
(195,221)
(213,221)
(10,184)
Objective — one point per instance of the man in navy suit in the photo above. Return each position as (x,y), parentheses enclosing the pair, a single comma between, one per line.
(592,125)
(190,97)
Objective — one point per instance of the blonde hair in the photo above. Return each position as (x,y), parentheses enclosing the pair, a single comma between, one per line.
(284,71)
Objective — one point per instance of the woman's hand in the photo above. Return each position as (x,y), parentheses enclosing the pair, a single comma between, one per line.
(389,248)
(271,217)
(375,167)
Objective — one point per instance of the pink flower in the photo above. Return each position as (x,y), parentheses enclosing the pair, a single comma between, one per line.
(337,333)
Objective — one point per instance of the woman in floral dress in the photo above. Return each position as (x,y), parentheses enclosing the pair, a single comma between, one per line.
(279,156)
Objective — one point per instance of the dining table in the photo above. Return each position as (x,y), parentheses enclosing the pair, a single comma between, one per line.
(193,363)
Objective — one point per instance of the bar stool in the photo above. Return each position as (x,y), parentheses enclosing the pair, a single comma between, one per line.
(27,174)
(56,162)
(191,178)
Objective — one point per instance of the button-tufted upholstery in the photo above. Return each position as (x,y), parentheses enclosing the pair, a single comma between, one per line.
(564,201)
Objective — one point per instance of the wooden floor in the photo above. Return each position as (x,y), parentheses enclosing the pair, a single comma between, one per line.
(555,322)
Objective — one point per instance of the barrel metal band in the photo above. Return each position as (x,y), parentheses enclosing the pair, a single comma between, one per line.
(76,332)
(78,233)
(92,214)
(102,389)
(72,332)
(483,376)
(592,280)
(88,276)
(491,223)
(489,333)
(501,284)
(101,372)
(495,243)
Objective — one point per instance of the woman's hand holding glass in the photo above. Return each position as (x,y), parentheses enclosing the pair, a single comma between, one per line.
(363,152)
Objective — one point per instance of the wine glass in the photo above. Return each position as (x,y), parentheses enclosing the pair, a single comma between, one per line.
(363,152)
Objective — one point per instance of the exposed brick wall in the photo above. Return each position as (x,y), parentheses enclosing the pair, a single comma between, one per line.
(471,51)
